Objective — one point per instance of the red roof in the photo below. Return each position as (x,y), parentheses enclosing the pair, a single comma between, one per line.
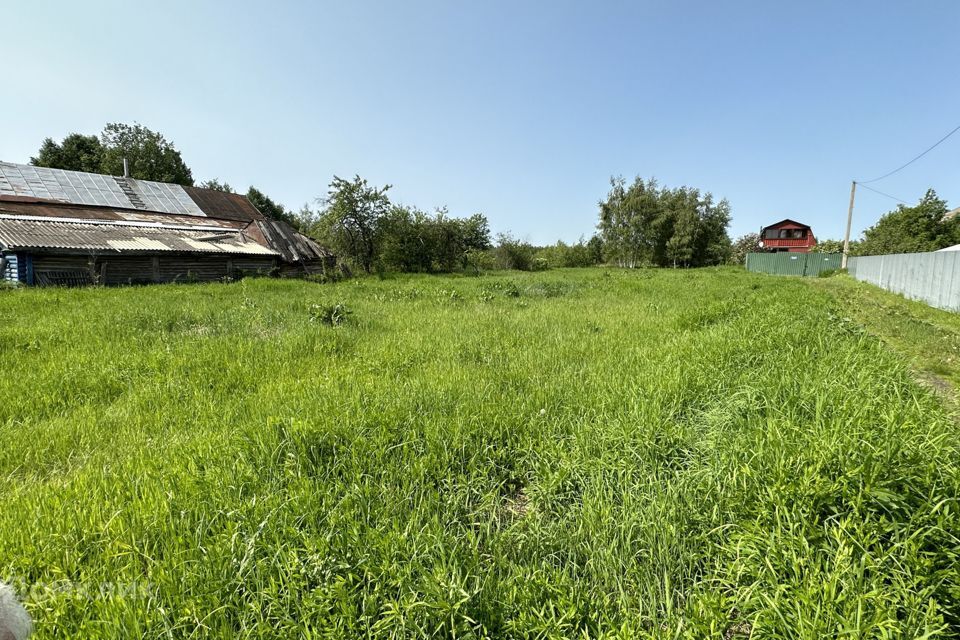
(786,222)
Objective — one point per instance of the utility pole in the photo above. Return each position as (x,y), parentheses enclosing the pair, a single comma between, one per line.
(846,238)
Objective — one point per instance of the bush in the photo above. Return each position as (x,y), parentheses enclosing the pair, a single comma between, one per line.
(330,274)
(581,254)
(477,261)
(332,315)
(511,253)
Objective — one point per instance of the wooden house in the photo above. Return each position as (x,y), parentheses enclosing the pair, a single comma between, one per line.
(787,235)
(69,228)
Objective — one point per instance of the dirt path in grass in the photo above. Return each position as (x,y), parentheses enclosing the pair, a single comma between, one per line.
(928,338)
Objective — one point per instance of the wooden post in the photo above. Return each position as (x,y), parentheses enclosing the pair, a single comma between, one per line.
(155,267)
(846,237)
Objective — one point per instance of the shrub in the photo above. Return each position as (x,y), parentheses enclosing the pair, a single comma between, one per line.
(477,261)
(332,315)
(511,253)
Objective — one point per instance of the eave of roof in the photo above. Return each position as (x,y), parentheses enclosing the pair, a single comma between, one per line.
(18,233)
(119,223)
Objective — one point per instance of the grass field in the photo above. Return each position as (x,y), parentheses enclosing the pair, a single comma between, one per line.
(595,453)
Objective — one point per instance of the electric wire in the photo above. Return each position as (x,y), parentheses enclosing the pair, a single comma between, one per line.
(860,184)
(887,175)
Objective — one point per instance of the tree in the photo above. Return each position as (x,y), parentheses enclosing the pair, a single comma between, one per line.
(412,240)
(476,233)
(511,253)
(595,249)
(77,152)
(359,223)
(272,209)
(919,228)
(747,243)
(353,212)
(648,224)
(829,245)
(581,254)
(215,185)
(404,242)
(626,221)
(680,243)
(150,156)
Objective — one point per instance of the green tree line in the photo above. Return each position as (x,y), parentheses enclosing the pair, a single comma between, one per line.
(644,223)
(641,224)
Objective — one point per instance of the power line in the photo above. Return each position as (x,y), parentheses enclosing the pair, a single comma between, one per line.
(887,175)
(883,194)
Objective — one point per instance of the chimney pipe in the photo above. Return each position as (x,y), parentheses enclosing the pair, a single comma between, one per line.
(126,169)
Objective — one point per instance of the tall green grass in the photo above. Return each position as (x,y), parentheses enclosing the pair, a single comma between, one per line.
(583,453)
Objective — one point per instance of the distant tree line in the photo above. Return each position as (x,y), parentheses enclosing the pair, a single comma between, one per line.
(358,221)
(640,224)
(645,224)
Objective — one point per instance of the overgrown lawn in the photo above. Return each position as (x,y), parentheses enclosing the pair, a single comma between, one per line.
(578,453)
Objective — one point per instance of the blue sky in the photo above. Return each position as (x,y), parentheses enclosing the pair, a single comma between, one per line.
(519,110)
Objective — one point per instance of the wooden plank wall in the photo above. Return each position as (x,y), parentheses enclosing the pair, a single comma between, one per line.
(143,269)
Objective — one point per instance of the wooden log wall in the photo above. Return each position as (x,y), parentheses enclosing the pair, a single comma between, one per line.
(72,270)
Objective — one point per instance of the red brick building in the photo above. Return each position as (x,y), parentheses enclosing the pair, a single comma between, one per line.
(787,235)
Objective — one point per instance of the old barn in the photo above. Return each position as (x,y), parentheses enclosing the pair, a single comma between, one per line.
(70,228)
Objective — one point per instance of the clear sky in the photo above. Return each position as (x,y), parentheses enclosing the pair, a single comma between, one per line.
(519,110)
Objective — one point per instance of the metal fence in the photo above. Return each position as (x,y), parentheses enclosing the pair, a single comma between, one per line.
(793,264)
(933,278)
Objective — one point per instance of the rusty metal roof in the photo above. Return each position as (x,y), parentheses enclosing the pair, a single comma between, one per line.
(17,233)
(20,208)
(227,206)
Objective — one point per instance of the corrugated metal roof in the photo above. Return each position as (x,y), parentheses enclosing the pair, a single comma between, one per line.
(74,187)
(20,233)
(227,206)
(290,243)
(78,212)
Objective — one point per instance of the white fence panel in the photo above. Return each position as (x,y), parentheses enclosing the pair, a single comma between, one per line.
(931,277)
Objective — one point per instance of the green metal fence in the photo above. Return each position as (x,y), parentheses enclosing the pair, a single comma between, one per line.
(793,264)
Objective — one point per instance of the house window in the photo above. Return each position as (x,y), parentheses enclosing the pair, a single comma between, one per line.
(792,234)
